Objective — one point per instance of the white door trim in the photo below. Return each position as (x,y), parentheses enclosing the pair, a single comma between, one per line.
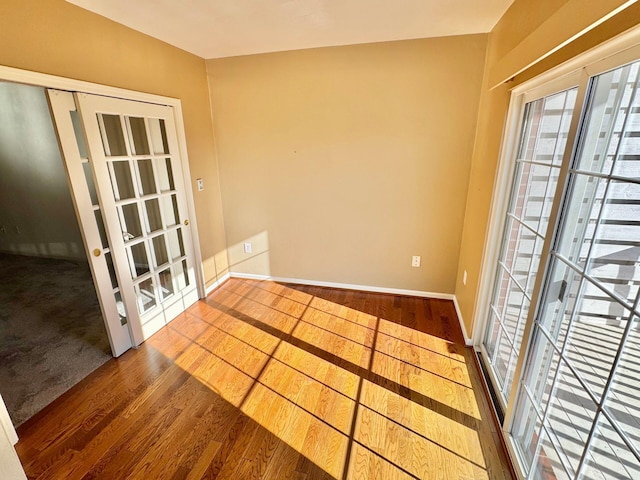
(28,77)
(10,466)
(6,424)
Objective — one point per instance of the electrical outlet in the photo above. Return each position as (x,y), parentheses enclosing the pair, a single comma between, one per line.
(415,261)
(247,247)
(200,183)
(464,277)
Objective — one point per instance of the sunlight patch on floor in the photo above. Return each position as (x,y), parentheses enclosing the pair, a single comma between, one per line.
(343,388)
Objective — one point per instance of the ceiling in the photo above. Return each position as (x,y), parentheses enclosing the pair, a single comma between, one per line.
(226,28)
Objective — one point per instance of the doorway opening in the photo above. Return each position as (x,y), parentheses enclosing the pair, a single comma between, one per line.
(52,331)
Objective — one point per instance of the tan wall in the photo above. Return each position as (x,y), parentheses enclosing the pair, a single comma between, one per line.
(58,38)
(339,164)
(525,19)
(45,224)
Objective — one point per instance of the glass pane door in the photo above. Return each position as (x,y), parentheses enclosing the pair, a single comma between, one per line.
(542,144)
(577,413)
(90,215)
(139,179)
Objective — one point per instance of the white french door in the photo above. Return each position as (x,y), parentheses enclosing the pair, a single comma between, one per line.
(561,337)
(90,219)
(126,176)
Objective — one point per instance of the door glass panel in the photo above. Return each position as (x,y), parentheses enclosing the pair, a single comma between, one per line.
(139,136)
(186,272)
(535,264)
(622,401)
(549,463)
(122,179)
(527,426)
(77,129)
(121,310)
(541,149)
(581,217)
(176,245)
(510,235)
(533,207)
(493,334)
(170,210)
(540,383)
(101,230)
(130,220)
(501,359)
(146,295)
(523,242)
(147,179)
(595,335)
(158,136)
(570,417)
(112,136)
(153,215)
(112,271)
(166,283)
(139,259)
(182,274)
(612,121)
(615,253)
(160,250)
(513,305)
(88,175)
(165,174)
(563,287)
(609,456)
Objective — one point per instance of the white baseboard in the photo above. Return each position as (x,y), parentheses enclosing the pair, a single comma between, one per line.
(217,283)
(467,339)
(348,286)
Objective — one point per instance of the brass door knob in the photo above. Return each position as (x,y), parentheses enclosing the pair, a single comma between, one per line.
(96,252)
(186,222)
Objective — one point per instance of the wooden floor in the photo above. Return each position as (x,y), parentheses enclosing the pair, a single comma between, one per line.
(271,381)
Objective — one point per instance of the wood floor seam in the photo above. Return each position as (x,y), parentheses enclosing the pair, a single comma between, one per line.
(279,388)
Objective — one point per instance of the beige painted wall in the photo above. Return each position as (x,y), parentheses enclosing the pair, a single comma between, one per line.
(339,164)
(58,38)
(525,19)
(40,224)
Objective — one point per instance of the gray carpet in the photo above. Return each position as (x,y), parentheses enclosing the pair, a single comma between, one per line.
(52,334)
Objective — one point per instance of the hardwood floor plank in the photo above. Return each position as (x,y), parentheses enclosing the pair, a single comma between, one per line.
(274,381)
(228,440)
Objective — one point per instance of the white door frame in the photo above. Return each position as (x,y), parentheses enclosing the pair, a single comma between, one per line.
(10,466)
(27,77)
